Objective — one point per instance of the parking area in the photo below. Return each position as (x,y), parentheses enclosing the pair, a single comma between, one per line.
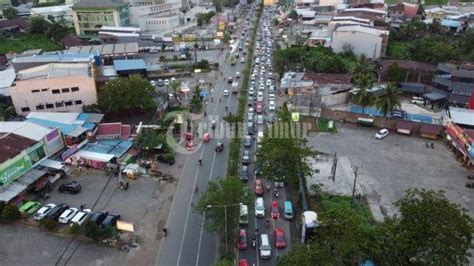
(387,167)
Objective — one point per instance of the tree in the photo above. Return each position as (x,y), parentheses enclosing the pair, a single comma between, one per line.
(56,31)
(10,13)
(127,94)
(395,73)
(364,97)
(91,108)
(196,101)
(431,230)
(147,140)
(10,212)
(389,101)
(227,191)
(364,66)
(293,14)
(175,85)
(38,25)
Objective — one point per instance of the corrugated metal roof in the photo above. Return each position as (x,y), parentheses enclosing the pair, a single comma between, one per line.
(462,116)
(132,64)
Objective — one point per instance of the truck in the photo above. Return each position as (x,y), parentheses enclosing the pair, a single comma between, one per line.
(235,87)
(232,60)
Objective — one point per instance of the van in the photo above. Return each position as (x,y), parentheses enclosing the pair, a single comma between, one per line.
(244,215)
(288,213)
(259,207)
(265,248)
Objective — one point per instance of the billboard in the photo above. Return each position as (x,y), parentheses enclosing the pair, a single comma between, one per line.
(11,172)
(221,26)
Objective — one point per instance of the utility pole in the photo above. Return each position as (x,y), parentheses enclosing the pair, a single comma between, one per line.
(334,167)
(355,180)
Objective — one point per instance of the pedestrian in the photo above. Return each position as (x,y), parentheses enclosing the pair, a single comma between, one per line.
(212,99)
(126,185)
(165,231)
(432,145)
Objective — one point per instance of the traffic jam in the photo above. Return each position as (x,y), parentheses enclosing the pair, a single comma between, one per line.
(264,231)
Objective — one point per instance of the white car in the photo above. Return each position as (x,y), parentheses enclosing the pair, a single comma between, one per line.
(271,97)
(237,75)
(262,87)
(260,120)
(381,134)
(259,207)
(251,110)
(242,60)
(167,82)
(259,96)
(81,217)
(41,213)
(251,91)
(67,215)
(225,93)
(271,106)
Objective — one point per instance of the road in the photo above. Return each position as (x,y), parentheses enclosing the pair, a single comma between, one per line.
(187,242)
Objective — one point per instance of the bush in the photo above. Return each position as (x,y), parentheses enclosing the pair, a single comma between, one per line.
(91,230)
(10,213)
(75,229)
(50,225)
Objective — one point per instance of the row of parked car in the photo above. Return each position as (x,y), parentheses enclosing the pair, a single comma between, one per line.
(65,214)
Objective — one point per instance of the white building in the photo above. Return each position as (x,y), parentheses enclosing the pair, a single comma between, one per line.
(155,16)
(57,12)
(7,77)
(362,39)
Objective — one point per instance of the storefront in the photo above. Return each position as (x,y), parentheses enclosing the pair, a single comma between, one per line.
(90,159)
(461,143)
(430,131)
(404,127)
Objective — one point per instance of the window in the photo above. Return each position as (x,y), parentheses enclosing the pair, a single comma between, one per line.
(68,103)
(78,102)
(25,109)
(40,107)
(49,105)
(55,91)
(59,104)
(35,91)
(44,89)
(74,89)
(63,90)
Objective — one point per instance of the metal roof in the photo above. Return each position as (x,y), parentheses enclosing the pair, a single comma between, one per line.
(106,49)
(25,129)
(462,116)
(131,64)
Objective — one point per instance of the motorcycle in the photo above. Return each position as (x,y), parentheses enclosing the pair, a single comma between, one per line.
(254,241)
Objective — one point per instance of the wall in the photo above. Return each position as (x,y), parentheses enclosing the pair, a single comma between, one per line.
(334,99)
(23,96)
(361,43)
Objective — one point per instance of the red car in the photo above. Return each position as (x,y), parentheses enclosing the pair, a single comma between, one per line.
(243,262)
(275,210)
(259,107)
(279,236)
(242,243)
(259,187)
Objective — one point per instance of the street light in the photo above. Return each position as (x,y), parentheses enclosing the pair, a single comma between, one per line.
(225,216)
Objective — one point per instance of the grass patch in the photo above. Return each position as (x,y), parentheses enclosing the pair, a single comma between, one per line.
(323,125)
(398,50)
(328,202)
(435,2)
(27,42)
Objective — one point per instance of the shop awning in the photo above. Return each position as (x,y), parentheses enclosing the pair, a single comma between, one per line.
(365,121)
(52,164)
(76,132)
(434,96)
(11,191)
(431,129)
(95,156)
(404,127)
(31,176)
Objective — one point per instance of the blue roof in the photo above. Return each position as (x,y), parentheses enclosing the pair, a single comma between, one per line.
(132,64)
(116,147)
(89,126)
(64,58)
(83,116)
(65,129)
(450,23)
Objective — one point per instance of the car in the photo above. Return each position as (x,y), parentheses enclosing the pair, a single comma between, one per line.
(279,237)
(153,83)
(67,215)
(43,211)
(243,262)
(259,207)
(260,120)
(237,75)
(259,107)
(219,147)
(98,217)
(271,89)
(260,96)
(29,208)
(230,79)
(251,91)
(110,221)
(160,83)
(244,173)
(271,118)
(259,190)
(249,116)
(271,97)
(261,87)
(166,158)
(242,241)
(251,110)
(225,93)
(275,210)
(81,217)
(246,157)
(248,141)
(271,106)
(72,187)
(381,134)
(242,60)
(265,248)
(55,212)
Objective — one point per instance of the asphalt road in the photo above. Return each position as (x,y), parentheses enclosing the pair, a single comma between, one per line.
(187,242)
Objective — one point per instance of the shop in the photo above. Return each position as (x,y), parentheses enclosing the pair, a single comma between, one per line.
(89,159)
(404,127)
(461,143)
(430,131)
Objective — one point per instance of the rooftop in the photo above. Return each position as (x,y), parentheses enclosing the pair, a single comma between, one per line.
(12,145)
(131,64)
(68,123)
(50,9)
(462,116)
(7,77)
(14,23)
(366,13)
(25,129)
(325,78)
(98,4)
(54,70)
(54,58)
(409,65)
(358,28)
(106,49)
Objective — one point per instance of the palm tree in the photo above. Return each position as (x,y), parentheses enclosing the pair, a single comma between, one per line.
(389,100)
(364,66)
(364,97)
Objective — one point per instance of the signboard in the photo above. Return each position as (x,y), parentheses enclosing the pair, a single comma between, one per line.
(69,152)
(52,135)
(221,25)
(290,92)
(460,135)
(295,116)
(10,173)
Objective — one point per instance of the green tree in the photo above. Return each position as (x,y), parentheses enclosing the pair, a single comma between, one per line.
(56,31)
(38,25)
(389,101)
(226,191)
(175,85)
(149,139)
(196,101)
(10,213)
(395,73)
(364,66)
(127,94)
(10,13)
(293,14)
(364,97)
(442,52)
(217,5)
(91,108)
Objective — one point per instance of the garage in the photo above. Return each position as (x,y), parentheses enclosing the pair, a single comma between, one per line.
(404,127)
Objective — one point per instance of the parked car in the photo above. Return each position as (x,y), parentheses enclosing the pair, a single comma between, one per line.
(219,147)
(242,242)
(67,215)
(243,262)
(55,212)
(259,207)
(248,140)
(275,210)
(110,220)
(225,93)
(237,74)
(265,248)
(160,83)
(98,217)
(72,187)
(29,208)
(279,237)
(41,213)
(381,134)
(259,190)
(167,82)
(246,157)
(271,106)
(81,217)
(244,173)
(166,158)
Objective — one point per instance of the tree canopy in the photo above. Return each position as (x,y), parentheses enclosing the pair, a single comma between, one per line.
(364,97)
(389,100)
(38,25)
(127,94)
(395,73)
(10,13)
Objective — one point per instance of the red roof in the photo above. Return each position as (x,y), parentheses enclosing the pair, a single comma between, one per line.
(326,78)
(11,145)
(109,129)
(126,131)
(14,23)
(70,41)
(431,129)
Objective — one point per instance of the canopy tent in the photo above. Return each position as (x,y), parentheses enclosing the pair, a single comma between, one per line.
(95,156)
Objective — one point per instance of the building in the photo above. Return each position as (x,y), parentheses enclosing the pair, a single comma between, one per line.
(24,62)
(368,41)
(153,16)
(14,25)
(402,11)
(56,12)
(7,77)
(415,72)
(452,85)
(90,15)
(125,68)
(53,87)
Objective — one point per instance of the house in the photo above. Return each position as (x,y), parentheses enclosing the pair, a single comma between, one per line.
(56,12)
(90,15)
(130,67)
(415,72)
(155,15)
(403,10)
(456,23)
(368,41)
(55,87)
(69,41)
(15,25)
(7,77)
